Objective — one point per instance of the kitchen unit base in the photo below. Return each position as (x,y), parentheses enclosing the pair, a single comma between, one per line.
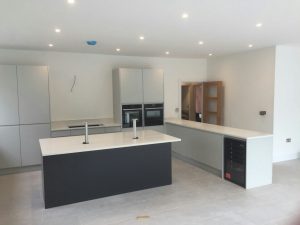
(23,169)
(76,177)
(247,158)
(197,164)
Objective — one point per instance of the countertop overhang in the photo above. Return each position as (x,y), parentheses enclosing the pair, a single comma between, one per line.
(67,145)
(227,131)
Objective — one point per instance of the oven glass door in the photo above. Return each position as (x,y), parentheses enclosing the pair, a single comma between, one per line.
(154,117)
(129,115)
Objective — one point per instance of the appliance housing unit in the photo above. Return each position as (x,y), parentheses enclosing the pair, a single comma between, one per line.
(136,86)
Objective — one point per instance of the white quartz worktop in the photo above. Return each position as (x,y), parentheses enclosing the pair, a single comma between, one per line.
(66,145)
(227,131)
(64,125)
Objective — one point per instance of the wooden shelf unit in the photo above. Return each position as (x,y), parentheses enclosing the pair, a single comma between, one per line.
(213,98)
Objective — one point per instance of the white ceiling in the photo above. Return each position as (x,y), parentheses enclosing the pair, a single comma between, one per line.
(225,26)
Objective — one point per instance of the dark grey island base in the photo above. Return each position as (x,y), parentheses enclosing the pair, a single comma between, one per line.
(76,177)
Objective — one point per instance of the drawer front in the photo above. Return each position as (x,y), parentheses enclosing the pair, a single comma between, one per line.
(112,129)
(99,130)
(60,133)
(77,132)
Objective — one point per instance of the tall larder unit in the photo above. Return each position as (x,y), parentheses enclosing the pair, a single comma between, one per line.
(24,114)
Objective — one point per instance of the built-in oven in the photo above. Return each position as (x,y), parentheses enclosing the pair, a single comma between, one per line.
(130,112)
(154,114)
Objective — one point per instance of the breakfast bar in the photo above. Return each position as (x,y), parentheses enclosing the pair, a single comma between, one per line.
(111,164)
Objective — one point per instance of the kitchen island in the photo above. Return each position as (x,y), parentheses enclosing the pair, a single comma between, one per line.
(111,164)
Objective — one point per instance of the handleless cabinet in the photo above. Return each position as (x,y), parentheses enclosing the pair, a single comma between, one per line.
(9,147)
(30,147)
(33,94)
(131,86)
(98,130)
(112,129)
(60,133)
(24,114)
(153,82)
(8,95)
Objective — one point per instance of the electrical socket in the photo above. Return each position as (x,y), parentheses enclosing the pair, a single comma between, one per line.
(288,140)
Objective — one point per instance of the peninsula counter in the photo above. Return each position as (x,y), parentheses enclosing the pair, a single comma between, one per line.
(206,145)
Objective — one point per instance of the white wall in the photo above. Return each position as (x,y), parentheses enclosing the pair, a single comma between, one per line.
(249,87)
(92,97)
(287,103)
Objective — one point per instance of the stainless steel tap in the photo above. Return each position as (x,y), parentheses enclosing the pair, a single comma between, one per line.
(86,136)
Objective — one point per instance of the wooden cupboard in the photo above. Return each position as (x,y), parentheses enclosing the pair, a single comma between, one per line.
(202,102)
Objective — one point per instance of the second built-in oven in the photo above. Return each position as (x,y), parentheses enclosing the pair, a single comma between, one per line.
(130,112)
(154,114)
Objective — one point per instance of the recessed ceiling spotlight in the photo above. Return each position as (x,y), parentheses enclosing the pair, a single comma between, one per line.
(258,25)
(200,42)
(250,46)
(167,53)
(142,37)
(184,16)
(117,49)
(57,30)
(210,54)
(71,1)
(50,45)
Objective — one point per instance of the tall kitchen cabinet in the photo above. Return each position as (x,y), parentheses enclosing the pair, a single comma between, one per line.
(136,86)
(24,114)
(34,110)
(153,84)
(130,85)
(9,118)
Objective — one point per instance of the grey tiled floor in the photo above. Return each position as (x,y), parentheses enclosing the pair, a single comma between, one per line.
(195,197)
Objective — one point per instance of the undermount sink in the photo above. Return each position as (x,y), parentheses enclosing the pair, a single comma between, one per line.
(82,126)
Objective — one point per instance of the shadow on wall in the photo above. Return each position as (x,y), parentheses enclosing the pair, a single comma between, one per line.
(296,221)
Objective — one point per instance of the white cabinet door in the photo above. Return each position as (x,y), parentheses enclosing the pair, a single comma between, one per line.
(30,146)
(153,80)
(131,86)
(33,94)
(8,96)
(9,147)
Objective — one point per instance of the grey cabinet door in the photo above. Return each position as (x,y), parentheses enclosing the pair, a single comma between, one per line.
(33,94)
(30,146)
(9,147)
(112,129)
(153,82)
(60,133)
(77,132)
(202,146)
(131,86)
(9,113)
